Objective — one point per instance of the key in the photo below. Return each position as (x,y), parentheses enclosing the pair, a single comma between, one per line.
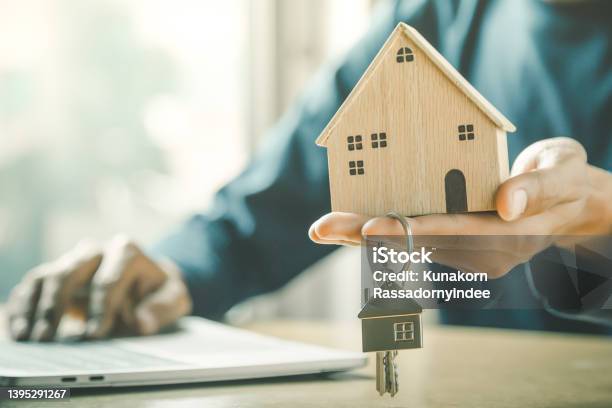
(386,373)
(387,377)
(381,378)
(391,372)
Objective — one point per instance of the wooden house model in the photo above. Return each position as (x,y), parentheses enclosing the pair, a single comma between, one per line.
(391,324)
(415,137)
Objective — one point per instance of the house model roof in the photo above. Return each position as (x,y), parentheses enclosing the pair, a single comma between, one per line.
(443,65)
(378,307)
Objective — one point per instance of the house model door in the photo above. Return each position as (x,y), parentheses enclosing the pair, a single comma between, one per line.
(456,196)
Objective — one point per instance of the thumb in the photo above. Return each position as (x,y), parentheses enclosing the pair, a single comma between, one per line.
(548,153)
(547,173)
(164,306)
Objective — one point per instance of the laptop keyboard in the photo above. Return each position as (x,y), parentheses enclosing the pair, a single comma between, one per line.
(51,357)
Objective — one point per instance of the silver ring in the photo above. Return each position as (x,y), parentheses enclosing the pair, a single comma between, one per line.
(407,229)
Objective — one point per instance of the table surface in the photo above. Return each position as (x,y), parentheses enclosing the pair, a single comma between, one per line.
(458,367)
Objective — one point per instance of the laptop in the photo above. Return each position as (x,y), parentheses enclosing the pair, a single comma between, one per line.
(198,351)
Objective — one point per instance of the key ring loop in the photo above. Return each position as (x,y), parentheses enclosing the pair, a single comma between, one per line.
(407,229)
(408,233)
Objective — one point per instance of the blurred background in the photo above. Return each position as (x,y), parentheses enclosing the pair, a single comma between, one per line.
(112,112)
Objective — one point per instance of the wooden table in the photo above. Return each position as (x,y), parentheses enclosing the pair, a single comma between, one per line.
(458,367)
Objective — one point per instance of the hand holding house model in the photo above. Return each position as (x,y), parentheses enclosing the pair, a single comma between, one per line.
(414,138)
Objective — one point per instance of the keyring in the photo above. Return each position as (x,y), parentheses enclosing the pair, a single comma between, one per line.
(408,233)
(407,229)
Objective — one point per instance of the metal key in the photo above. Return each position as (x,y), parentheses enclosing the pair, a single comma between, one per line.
(392,375)
(381,375)
(386,373)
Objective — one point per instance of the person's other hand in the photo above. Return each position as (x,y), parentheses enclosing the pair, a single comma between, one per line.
(553,197)
(115,289)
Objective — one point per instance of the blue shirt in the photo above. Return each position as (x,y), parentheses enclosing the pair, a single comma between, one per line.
(547,67)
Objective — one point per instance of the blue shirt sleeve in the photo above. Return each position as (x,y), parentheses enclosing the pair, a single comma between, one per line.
(255,237)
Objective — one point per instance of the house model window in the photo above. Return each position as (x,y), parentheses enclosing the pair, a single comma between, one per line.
(403,331)
(379,140)
(356,167)
(466,132)
(404,54)
(354,143)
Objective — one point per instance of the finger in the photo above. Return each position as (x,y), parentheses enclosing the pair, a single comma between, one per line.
(324,241)
(540,190)
(449,231)
(546,174)
(125,277)
(337,242)
(165,305)
(441,231)
(31,302)
(48,310)
(338,227)
(440,224)
(126,312)
(385,226)
(110,285)
(350,228)
(66,276)
(22,305)
(547,153)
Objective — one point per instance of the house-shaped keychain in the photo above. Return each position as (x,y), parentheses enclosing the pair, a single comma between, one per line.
(390,324)
(415,137)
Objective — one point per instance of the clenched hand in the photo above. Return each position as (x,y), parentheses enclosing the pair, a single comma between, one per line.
(115,288)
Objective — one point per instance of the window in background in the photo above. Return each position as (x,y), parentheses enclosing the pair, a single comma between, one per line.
(299,36)
(112,114)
